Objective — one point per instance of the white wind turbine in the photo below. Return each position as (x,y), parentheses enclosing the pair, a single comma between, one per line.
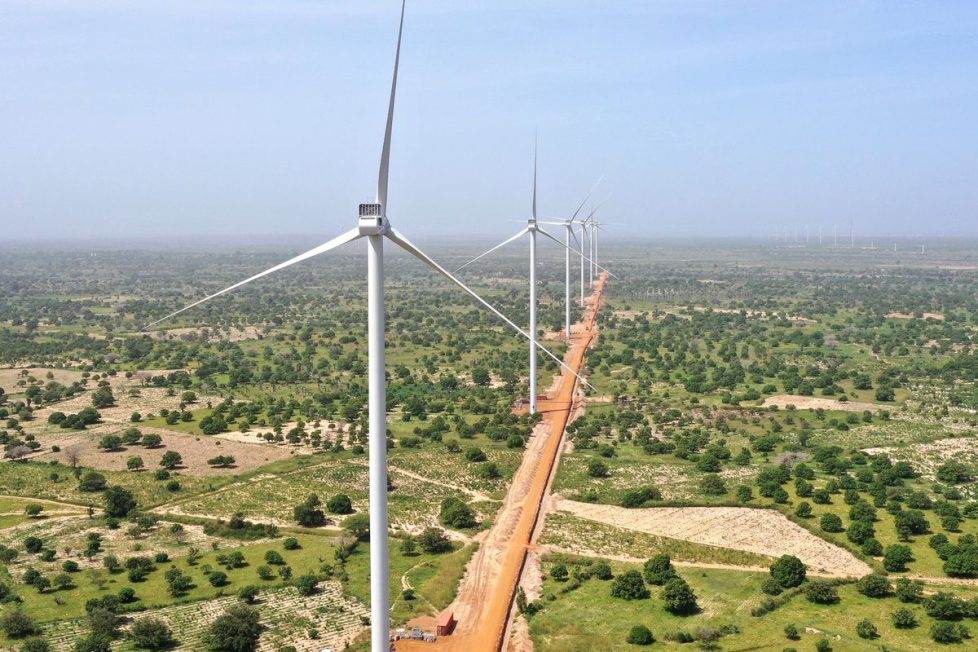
(532,228)
(373,225)
(568,225)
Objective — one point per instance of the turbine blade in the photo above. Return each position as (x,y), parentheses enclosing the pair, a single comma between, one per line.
(534,177)
(349,236)
(579,253)
(486,253)
(385,155)
(406,245)
(587,197)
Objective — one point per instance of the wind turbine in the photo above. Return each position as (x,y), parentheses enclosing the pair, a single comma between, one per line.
(531,229)
(373,225)
(568,225)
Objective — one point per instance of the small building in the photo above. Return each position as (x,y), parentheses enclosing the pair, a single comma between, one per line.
(446,623)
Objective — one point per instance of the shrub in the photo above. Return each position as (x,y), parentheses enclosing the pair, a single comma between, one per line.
(597,469)
(35,645)
(17,624)
(151,634)
(339,504)
(658,570)
(640,497)
(433,541)
(772,587)
(823,645)
(456,514)
(33,544)
(307,513)
(217,578)
(874,586)
(678,597)
(791,632)
(788,571)
(119,501)
(249,594)
(904,618)
(909,590)
(830,523)
(559,572)
(640,635)
(291,544)
(629,586)
(949,633)
(601,570)
(821,592)
(306,584)
(236,630)
(944,606)
(866,629)
(896,558)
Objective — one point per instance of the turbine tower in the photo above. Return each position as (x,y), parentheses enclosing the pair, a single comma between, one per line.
(532,229)
(372,224)
(568,225)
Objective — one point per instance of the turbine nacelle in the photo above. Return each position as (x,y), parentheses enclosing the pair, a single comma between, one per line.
(371,221)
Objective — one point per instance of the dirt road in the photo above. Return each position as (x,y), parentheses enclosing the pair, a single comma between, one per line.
(485,596)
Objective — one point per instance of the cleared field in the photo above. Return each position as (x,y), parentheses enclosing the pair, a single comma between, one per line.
(566,533)
(760,531)
(195,451)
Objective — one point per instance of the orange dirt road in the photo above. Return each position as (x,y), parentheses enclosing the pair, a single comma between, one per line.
(486,593)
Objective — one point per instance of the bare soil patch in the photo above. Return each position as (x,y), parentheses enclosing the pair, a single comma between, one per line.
(905,315)
(10,376)
(230,334)
(195,450)
(813,403)
(760,531)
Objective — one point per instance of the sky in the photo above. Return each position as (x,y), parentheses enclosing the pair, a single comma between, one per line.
(236,119)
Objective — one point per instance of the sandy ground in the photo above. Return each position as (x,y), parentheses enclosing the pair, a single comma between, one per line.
(903,315)
(484,601)
(9,377)
(195,450)
(813,403)
(761,531)
(232,334)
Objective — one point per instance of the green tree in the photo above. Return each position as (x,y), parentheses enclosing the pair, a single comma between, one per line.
(236,630)
(678,596)
(788,571)
(640,635)
(658,570)
(629,586)
(151,634)
(119,501)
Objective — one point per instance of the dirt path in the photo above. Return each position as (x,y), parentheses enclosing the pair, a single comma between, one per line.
(762,531)
(485,596)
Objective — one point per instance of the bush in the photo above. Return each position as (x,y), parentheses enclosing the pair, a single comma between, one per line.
(307,514)
(17,624)
(92,481)
(456,514)
(823,645)
(791,632)
(629,586)
(119,501)
(306,584)
(151,634)
(640,497)
(93,643)
(874,586)
(944,606)
(217,578)
(896,558)
(830,523)
(559,572)
(821,592)
(788,571)
(236,630)
(904,618)
(658,570)
(712,484)
(949,633)
(866,629)
(601,570)
(33,544)
(249,594)
(772,587)
(339,504)
(678,597)
(433,541)
(291,544)
(35,645)
(597,469)
(640,635)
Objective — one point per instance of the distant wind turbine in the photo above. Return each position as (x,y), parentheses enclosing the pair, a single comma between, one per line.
(532,229)
(373,225)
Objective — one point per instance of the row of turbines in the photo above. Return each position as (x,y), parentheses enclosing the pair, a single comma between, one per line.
(373,225)
(803,237)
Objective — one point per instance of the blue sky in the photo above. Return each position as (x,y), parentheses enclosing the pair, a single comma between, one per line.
(233,118)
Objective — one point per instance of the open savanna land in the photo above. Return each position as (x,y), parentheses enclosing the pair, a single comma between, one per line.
(748,403)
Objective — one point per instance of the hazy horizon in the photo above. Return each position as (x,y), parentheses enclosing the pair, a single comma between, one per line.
(238,121)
